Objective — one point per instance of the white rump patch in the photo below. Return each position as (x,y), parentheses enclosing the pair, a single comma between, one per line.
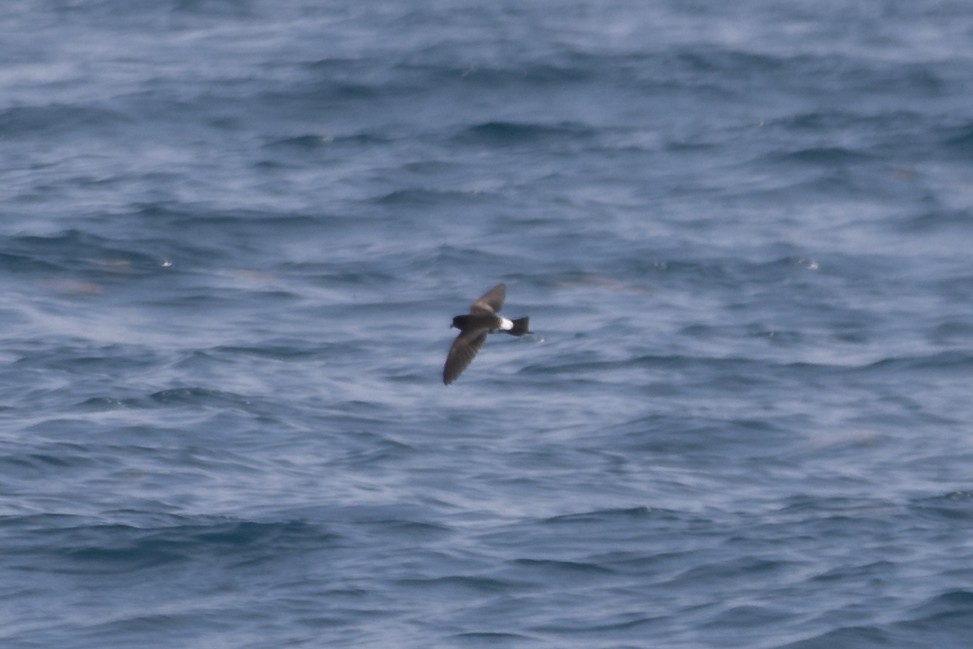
(506,325)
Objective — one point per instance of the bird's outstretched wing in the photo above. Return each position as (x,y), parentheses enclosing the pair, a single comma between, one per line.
(462,353)
(491,301)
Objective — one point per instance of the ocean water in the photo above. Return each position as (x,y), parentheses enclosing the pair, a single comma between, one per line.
(233,236)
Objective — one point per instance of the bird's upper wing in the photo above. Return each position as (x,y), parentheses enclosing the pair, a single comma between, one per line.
(491,301)
(462,353)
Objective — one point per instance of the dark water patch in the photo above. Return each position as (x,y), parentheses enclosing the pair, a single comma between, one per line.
(56,461)
(118,548)
(32,523)
(807,507)
(715,370)
(408,530)
(700,437)
(475,261)
(493,639)
(364,139)
(958,221)
(317,142)
(79,251)
(88,266)
(337,64)
(199,396)
(553,568)
(741,567)
(953,507)
(307,142)
(57,120)
(616,624)
(424,198)
(82,357)
(27,263)
(310,350)
(345,274)
(218,10)
(463,585)
(947,361)
(336,95)
(857,140)
(858,572)
(602,516)
(104,404)
(738,619)
(824,156)
(369,450)
(952,611)
(673,73)
(197,220)
(121,548)
(959,140)
(721,61)
(107,560)
(244,533)
(954,332)
(297,351)
(712,274)
(528,75)
(836,72)
(522,133)
(849,637)
(824,121)
(777,336)
(350,79)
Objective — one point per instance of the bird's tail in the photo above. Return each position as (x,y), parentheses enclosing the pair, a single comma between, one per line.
(521,327)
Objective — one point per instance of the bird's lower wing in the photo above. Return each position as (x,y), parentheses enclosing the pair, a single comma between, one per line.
(461,354)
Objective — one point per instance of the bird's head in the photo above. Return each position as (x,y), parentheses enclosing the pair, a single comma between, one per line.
(459,322)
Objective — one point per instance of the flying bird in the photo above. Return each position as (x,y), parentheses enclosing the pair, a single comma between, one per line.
(474,327)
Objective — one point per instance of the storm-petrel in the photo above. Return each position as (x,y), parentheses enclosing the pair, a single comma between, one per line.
(473,330)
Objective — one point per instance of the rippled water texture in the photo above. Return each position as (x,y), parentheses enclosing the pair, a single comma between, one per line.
(234,235)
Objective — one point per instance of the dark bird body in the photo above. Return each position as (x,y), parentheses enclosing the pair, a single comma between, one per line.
(473,328)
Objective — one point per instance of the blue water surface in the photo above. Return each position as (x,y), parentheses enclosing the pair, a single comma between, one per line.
(233,236)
